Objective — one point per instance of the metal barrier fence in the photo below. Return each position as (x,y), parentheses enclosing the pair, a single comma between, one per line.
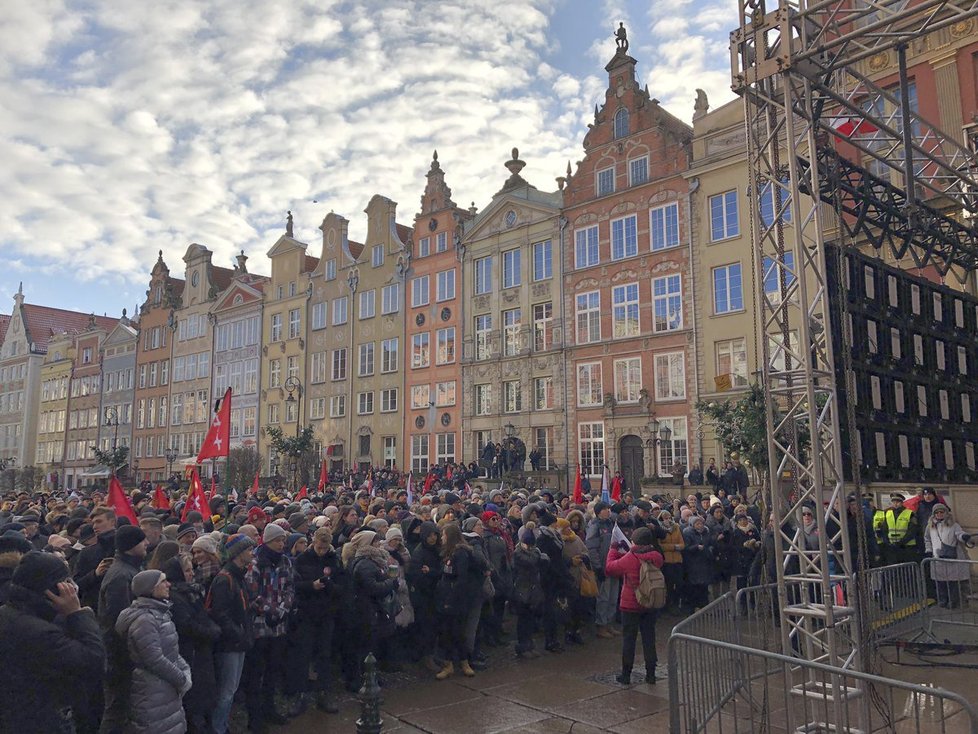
(896,601)
(954,615)
(718,686)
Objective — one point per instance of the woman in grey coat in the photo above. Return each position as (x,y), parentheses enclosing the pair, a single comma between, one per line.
(160,677)
(944,538)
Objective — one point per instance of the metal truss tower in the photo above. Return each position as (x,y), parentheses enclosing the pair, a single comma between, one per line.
(812,120)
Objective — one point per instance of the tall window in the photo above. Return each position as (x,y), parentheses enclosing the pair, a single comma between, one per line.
(368,306)
(377,256)
(483,275)
(624,310)
(723,216)
(419,454)
(543,393)
(543,267)
(638,170)
(388,355)
(605,181)
(586,247)
(441,242)
(366,359)
(446,285)
(337,406)
(319,315)
(291,367)
(388,400)
(628,379)
(317,368)
(365,403)
(512,323)
(676,449)
(664,222)
(588,317)
(590,441)
(775,274)
(768,206)
(732,360)
(624,237)
(483,399)
(421,350)
(667,303)
(728,293)
(420,396)
(446,448)
(339,364)
(543,326)
(445,393)
(445,353)
(621,123)
(275,373)
(276,327)
(424,247)
(390,298)
(295,323)
(330,270)
(589,384)
(670,376)
(512,396)
(419,291)
(511,268)
(390,452)
(339,311)
(483,334)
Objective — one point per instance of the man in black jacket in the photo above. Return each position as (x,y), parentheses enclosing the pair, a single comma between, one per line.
(50,642)
(229,606)
(92,562)
(115,595)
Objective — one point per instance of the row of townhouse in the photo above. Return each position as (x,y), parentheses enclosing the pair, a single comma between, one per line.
(587,320)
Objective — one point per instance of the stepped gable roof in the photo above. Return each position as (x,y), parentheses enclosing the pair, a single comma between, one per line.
(43,322)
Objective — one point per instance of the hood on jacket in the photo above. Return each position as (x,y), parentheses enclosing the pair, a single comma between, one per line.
(427,528)
(140,607)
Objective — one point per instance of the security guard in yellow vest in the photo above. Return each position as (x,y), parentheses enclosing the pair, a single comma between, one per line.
(899,532)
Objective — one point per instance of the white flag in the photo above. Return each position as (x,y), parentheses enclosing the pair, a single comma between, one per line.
(617,536)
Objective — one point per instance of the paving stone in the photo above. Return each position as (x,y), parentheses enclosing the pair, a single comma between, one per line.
(612,708)
(556,725)
(551,691)
(438,693)
(485,715)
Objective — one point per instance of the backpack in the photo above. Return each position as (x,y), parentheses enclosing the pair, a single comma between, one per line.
(651,590)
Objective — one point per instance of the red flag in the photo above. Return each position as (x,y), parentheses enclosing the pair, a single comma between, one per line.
(218,439)
(428,481)
(448,472)
(849,126)
(616,489)
(197,500)
(303,493)
(160,500)
(578,488)
(254,485)
(119,502)
(323,479)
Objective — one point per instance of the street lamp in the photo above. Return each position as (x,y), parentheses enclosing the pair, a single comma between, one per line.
(170,457)
(293,386)
(510,429)
(660,433)
(135,470)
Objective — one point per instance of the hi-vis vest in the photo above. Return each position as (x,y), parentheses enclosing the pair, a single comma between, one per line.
(897,526)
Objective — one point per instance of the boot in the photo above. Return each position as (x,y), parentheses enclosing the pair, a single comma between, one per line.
(615,632)
(297,705)
(603,633)
(446,672)
(467,669)
(429,662)
(325,702)
(625,678)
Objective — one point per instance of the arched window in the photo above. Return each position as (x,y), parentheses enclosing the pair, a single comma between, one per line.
(621,123)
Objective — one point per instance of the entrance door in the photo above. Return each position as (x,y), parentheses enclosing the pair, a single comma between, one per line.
(632,462)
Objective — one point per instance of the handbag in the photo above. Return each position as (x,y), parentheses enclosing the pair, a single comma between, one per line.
(589,583)
(948,551)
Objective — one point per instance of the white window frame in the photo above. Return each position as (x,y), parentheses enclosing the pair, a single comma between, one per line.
(622,323)
(729,349)
(726,272)
(420,291)
(628,379)
(365,402)
(543,268)
(587,247)
(512,268)
(390,299)
(604,176)
(623,244)
(673,366)
(483,275)
(663,236)
(365,366)
(633,179)
(445,290)
(729,223)
(377,256)
(657,299)
(339,310)
(590,388)
(589,316)
(368,304)
(590,447)
(388,400)
(389,355)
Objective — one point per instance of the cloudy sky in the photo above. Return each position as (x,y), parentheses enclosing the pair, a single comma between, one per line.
(130,127)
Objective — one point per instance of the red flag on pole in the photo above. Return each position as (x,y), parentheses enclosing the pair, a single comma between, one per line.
(160,500)
(254,485)
(578,488)
(616,489)
(218,439)
(303,493)
(119,502)
(323,479)
(197,500)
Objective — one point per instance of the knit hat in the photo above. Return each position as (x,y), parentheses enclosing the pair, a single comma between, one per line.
(128,537)
(527,534)
(205,543)
(185,529)
(12,541)
(468,525)
(363,538)
(144,582)
(238,544)
(296,520)
(642,536)
(394,532)
(39,571)
(256,513)
(292,540)
(273,532)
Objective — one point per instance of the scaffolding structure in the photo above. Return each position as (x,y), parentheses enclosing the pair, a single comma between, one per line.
(830,152)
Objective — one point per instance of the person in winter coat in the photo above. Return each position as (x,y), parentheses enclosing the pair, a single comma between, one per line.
(527,598)
(459,587)
(598,540)
(499,550)
(197,633)
(160,676)
(672,546)
(93,562)
(698,561)
(49,643)
(721,528)
(271,589)
(422,575)
(626,564)
(746,541)
(374,589)
(228,604)
(317,586)
(576,558)
(557,581)
(945,539)
(13,547)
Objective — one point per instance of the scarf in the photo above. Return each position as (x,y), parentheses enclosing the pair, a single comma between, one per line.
(507,536)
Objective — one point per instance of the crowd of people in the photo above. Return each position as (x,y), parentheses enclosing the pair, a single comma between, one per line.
(275,600)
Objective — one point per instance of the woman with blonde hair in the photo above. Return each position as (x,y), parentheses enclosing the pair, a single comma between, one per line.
(944,539)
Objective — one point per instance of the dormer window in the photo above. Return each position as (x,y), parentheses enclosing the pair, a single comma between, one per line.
(621,123)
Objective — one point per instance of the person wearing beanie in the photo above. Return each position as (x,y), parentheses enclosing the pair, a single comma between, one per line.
(115,595)
(295,544)
(186,535)
(13,547)
(373,582)
(527,597)
(160,676)
(576,559)
(271,583)
(299,523)
(597,538)
(50,642)
(207,560)
(625,562)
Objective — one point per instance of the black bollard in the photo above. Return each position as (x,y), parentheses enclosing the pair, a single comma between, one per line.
(370,721)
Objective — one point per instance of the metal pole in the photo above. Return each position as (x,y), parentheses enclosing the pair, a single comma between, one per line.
(370,721)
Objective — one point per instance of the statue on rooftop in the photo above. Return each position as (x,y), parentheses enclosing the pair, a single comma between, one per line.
(621,38)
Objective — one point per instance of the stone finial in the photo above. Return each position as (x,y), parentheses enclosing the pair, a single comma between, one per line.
(515,165)
(473,208)
(701,105)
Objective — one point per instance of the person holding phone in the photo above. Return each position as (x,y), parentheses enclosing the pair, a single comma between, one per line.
(54,642)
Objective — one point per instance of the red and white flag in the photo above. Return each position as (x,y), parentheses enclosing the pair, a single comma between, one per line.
(410,489)
(119,502)
(218,440)
(370,483)
(847,127)
(197,500)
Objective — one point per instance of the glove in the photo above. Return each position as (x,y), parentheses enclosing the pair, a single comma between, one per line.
(966,537)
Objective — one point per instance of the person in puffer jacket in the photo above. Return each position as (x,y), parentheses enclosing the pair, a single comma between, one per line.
(626,564)
(160,676)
